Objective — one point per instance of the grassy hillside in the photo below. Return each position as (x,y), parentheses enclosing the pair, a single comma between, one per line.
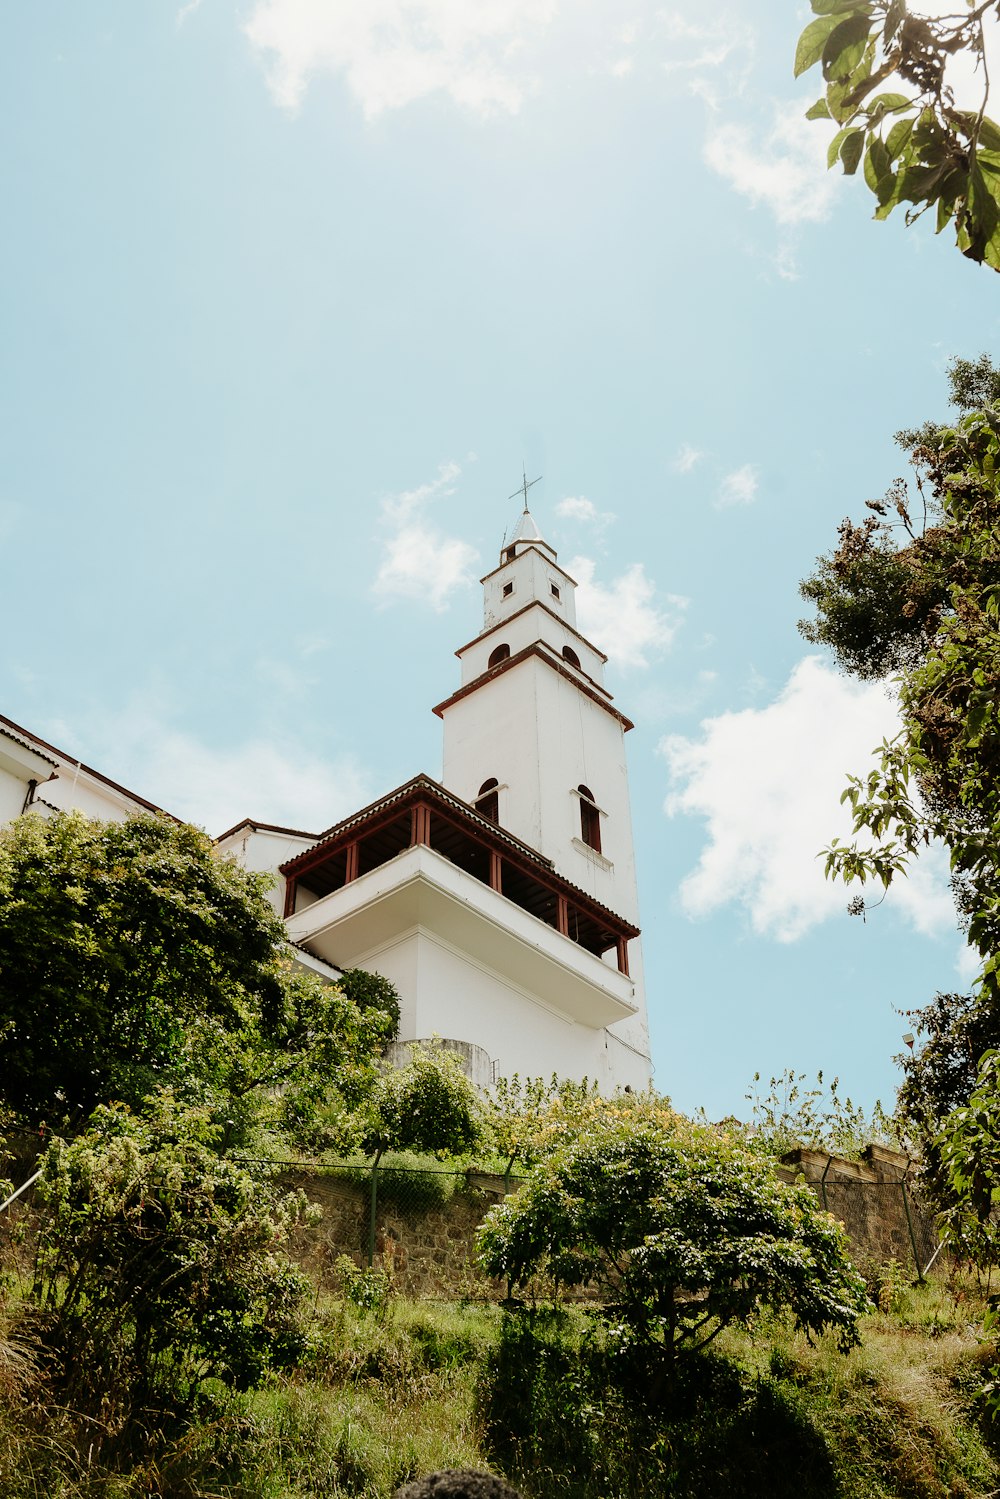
(395,1389)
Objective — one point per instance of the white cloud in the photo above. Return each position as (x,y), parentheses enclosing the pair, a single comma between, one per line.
(392,52)
(574,508)
(768,782)
(585,512)
(785,169)
(710,45)
(624,618)
(686,458)
(968,965)
(738,488)
(269,779)
(418,561)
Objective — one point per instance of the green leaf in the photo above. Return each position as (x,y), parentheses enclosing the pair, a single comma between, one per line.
(878,168)
(838,7)
(845,47)
(819,111)
(989,134)
(981,219)
(899,138)
(812,41)
(833,150)
(889,103)
(850,151)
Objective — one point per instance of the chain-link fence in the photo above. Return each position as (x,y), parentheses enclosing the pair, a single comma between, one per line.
(885,1220)
(419,1223)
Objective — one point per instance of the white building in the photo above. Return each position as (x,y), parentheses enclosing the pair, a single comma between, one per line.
(36,776)
(501,901)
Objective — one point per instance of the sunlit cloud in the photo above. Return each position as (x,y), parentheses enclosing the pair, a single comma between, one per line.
(686,458)
(419,562)
(783,168)
(393,52)
(767,782)
(738,488)
(626,618)
(277,779)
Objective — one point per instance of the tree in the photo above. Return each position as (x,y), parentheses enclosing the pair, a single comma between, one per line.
(684,1229)
(158,1267)
(918,601)
(429,1104)
(133,957)
(938,632)
(370,991)
(890,76)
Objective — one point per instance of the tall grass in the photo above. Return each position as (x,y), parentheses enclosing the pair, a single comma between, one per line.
(395,1389)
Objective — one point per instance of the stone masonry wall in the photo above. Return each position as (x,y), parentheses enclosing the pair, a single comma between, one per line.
(429,1253)
(875,1200)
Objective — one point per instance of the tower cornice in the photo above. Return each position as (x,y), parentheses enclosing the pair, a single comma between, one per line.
(532,547)
(535,649)
(502,624)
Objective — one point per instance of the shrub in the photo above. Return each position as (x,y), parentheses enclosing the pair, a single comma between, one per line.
(680,1228)
(159,1267)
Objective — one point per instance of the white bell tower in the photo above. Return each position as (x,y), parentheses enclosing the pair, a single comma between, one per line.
(533,740)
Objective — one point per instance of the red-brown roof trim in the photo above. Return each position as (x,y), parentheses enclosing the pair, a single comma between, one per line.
(532,604)
(555,663)
(66,760)
(266,827)
(549,562)
(410,791)
(423,789)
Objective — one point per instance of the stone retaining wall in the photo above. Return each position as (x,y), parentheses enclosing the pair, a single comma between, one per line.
(876,1201)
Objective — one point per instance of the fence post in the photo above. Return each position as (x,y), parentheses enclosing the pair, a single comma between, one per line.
(822,1183)
(371,1213)
(909,1224)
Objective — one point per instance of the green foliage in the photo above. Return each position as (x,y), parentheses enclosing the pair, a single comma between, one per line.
(159,1267)
(298,1071)
(790,1115)
(428,1105)
(113,940)
(953,1031)
(681,1228)
(941,777)
(888,75)
(561,1411)
(132,958)
(370,991)
(525,1116)
(370,1291)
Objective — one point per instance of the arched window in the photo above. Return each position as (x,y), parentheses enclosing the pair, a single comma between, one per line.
(487,803)
(590,819)
(569,654)
(500,654)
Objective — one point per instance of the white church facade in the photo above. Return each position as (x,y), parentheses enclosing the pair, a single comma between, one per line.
(501,900)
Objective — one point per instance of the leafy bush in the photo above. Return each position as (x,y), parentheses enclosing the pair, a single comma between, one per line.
(680,1228)
(564,1413)
(819,1117)
(159,1267)
(428,1105)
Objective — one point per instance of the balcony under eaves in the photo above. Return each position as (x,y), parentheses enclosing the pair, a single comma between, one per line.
(421,889)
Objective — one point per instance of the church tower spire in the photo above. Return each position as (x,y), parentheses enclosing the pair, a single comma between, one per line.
(533,739)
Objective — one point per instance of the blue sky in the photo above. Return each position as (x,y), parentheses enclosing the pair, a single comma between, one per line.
(292,288)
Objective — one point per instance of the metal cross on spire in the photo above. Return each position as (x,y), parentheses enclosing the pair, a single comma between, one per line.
(524,487)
